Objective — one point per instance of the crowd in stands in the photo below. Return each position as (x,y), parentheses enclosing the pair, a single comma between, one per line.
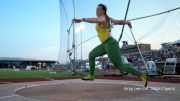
(155,55)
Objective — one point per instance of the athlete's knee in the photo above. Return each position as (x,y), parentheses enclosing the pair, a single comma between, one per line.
(91,56)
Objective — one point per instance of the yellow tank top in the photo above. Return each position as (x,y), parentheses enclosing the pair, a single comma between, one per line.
(102,33)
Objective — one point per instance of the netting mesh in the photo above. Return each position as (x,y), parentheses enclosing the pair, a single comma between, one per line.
(154,30)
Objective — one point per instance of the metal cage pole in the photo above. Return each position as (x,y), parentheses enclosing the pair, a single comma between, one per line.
(124,19)
(138,48)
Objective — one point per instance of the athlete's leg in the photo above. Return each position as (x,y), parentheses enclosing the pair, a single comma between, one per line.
(97,51)
(113,51)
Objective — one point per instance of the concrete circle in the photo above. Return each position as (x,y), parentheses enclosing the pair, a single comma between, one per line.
(84,91)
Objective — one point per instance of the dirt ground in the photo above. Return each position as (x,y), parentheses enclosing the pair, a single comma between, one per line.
(83,91)
(103,88)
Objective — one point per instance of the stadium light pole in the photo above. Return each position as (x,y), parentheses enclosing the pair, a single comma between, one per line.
(76,45)
(78,30)
(81,45)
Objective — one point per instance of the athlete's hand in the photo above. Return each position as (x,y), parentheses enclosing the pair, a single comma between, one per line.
(77,20)
(129,24)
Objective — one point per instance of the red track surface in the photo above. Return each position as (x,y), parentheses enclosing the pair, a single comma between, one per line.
(152,79)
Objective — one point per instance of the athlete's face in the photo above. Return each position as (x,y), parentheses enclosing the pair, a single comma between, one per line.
(99,11)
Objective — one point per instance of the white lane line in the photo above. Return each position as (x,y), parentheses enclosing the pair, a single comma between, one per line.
(32,85)
(36,85)
(3,97)
(108,82)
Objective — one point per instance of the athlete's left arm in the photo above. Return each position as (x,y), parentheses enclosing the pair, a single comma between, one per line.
(121,22)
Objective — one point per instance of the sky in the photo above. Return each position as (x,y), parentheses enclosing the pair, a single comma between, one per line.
(29,28)
(38,28)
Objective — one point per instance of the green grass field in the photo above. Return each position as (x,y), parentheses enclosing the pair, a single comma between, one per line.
(10,74)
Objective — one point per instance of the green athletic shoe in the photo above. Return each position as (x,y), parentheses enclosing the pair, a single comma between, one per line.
(88,77)
(144,78)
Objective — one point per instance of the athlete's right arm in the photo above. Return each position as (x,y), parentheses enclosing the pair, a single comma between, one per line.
(91,20)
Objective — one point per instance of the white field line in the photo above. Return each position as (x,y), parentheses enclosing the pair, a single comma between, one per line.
(4,97)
